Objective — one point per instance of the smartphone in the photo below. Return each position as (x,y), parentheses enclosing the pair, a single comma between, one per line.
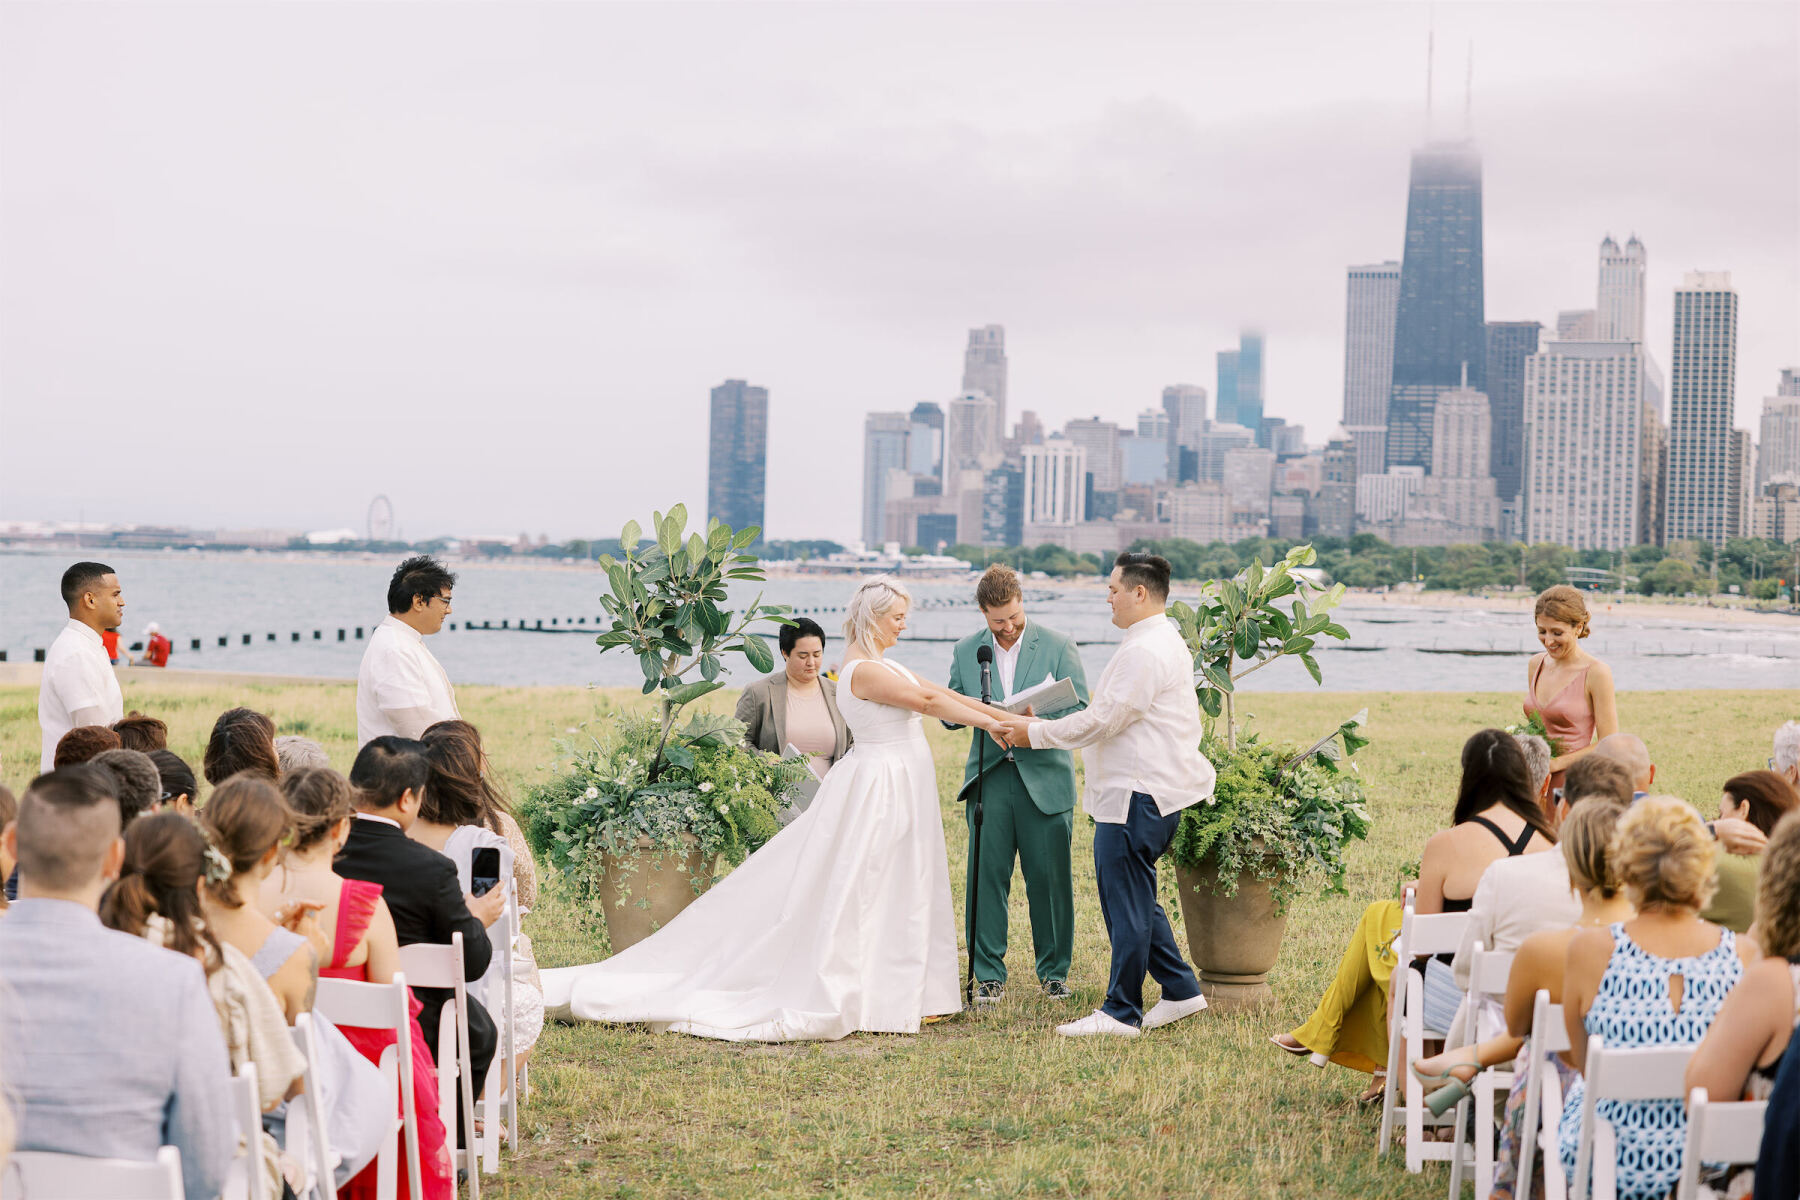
(484,870)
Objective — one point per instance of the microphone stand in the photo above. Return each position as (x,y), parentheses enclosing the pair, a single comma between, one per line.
(974,899)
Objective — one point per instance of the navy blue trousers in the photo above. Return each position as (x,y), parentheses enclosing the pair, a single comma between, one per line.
(1142,942)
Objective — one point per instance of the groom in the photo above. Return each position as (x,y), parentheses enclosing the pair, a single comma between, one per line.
(1028,804)
(1140,737)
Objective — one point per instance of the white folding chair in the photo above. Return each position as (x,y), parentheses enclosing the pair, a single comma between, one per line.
(34,1174)
(383,1006)
(499,1099)
(1541,1119)
(1433,933)
(1645,1073)
(435,965)
(248,1180)
(1719,1131)
(308,1139)
(1488,972)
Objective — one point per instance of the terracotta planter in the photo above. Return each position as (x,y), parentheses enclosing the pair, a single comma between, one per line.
(653,887)
(1234,939)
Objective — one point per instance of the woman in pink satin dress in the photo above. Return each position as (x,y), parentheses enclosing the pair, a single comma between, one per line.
(1569,687)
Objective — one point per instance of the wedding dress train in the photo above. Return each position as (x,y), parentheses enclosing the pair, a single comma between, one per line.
(841,922)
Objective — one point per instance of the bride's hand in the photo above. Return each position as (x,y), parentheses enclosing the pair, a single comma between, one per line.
(998,733)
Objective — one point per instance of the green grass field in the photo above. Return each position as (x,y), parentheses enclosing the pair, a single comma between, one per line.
(996,1104)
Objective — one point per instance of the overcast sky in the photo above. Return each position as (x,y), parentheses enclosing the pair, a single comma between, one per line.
(260,262)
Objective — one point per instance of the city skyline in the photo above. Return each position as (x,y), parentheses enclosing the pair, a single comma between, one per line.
(538,301)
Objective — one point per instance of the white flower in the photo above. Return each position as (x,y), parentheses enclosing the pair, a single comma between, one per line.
(706,787)
(691,814)
(593,793)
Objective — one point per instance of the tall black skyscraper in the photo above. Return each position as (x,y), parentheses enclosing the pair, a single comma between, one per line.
(1440,324)
(1509,344)
(738,453)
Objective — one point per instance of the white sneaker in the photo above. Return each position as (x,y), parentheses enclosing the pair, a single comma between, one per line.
(1167,1012)
(1097,1023)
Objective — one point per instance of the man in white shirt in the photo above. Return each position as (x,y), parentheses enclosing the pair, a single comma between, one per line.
(79,687)
(1140,739)
(401,690)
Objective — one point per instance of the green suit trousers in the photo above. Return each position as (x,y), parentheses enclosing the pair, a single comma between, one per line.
(1013,827)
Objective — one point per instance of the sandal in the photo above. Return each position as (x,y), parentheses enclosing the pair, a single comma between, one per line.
(1377,1090)
(1445,1089)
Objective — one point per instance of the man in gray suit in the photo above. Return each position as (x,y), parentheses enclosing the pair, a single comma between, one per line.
(109,1044)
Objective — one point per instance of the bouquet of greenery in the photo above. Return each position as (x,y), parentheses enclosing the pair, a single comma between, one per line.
(1533,725)
(1282,814)
(712,788)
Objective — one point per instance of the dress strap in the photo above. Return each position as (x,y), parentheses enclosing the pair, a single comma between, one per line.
(356,909)
(1514,846)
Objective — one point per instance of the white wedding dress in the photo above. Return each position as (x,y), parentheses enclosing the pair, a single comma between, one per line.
(841,922)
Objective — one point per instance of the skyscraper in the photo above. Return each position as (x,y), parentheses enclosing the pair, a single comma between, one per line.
(1249,406)
(1577,325)
(1105,460)
(1509,344)
(1337,492)
(1186,405)
(1702,382)
(1440,323)
(1740,478)
(1369,308)
(1226,408)
(984,370)
(1460,489)
(886,441)
(969,438)
(1619,315)
(737,453)
(1055,483)
(925,442)
(1778,456)
(1584,404)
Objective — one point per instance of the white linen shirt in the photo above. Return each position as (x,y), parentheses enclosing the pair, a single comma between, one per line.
(1141,731)
(1006,663)
(1515,898)
(399,672)
(77,675)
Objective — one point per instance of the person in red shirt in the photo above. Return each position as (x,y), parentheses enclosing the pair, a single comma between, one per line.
(110,639)
(156,646)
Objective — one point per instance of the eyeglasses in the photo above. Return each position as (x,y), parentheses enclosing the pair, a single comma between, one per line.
(445,599)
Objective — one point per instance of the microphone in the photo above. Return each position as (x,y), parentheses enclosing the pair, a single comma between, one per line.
(984,654)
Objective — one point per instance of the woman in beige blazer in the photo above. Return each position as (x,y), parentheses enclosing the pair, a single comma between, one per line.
(796,705)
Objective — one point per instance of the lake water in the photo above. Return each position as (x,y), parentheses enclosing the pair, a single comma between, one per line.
(1392,646)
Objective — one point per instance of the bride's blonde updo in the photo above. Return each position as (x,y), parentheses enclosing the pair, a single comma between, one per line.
(874,598)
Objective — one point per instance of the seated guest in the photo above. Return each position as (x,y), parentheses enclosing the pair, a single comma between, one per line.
(1495,817)
(1743,1051)
(1657,979)
(1537,760)
(138,783)
(245,823)
(243,740)
(364,949)
(9,808)
(157,897)
(1778,1164)
(1784,753)
(419,885)
(81,744)
(142,733)
(797,705)
(1734,835)
(84,1000)
(180,790)
(1760,798)
(465,809)
(293,752)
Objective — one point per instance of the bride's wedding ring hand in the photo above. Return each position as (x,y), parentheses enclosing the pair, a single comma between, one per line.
(998,733)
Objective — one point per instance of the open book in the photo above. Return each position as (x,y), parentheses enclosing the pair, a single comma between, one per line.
(1047,699)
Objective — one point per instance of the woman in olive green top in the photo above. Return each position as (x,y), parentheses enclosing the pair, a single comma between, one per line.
(797,706)
(1761,798)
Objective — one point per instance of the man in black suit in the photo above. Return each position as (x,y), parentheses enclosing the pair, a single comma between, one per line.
(419,884)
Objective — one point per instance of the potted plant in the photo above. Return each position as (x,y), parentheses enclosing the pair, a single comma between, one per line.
(640,810)
(1280,816)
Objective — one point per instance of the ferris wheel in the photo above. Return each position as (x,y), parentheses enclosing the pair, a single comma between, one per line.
(381,520)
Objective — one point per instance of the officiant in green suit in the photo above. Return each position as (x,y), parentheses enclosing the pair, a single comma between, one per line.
(1028,804)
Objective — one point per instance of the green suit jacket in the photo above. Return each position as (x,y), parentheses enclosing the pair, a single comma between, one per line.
(1049,775)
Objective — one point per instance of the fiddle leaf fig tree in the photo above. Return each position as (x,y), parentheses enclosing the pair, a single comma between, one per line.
(665,604)
(1239,627)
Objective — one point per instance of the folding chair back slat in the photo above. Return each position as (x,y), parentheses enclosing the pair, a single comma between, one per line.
(1489,971)
(1543,1094)
(1642,1073)
(318,1157)
(383,1006)
(34,1174)
(1724,1131)
(436,965)
(246,1105)
(1434,933)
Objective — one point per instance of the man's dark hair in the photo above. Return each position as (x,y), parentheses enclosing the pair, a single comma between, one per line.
(137,782)
(81,578)
(1149,570)
(140,731)
(67,821)
(790,635)
(421,575)
(1594,775)
(81,744)
(386,769)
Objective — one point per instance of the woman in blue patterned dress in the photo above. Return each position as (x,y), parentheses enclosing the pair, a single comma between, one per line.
(1655,980)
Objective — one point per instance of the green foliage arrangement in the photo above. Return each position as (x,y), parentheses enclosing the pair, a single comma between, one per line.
(1533,726)
(1278,814)
(715,794)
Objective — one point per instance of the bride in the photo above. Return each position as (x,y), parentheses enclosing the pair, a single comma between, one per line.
(842,921)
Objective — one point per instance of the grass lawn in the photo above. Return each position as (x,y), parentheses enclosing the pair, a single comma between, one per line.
(995,1104)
